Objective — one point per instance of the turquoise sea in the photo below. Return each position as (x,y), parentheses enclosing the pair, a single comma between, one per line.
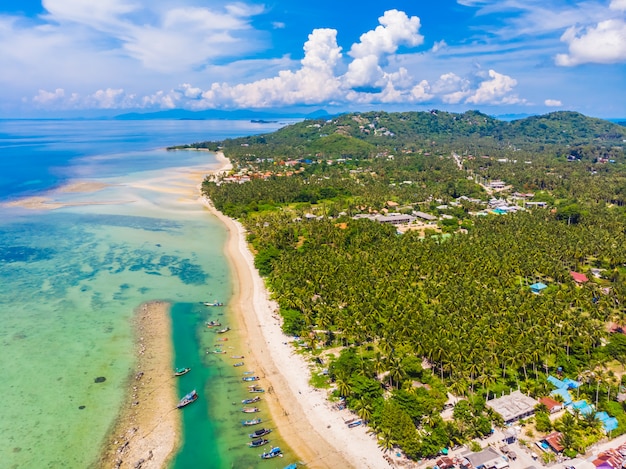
(71,279)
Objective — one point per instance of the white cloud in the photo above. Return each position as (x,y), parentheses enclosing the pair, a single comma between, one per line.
(553,103)
(395,29)
(604,43)
(452,88)
(496,90)
(49,97)
(372,71)
(619,5)
(315,82)
(437,46)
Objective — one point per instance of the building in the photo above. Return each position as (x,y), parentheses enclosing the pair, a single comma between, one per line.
(578,277)
(551,404)
(513,407)
(538,287)
(395,219)
(553,441)
(425,216)
(488,458)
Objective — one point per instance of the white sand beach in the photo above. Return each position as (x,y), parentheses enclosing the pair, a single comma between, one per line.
(304,417)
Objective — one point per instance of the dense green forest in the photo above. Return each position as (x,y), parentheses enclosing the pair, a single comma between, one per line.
(406,318)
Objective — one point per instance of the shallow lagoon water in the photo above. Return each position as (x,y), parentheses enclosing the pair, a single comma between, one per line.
(71,280)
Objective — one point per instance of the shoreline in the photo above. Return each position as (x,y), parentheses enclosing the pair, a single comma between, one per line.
(304,417)
(141,437)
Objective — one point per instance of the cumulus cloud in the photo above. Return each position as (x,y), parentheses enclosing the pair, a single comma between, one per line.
(496,90)
(396,29)
(369,73)
(553,103)
(619,5)
(452,88)
(604,43)
(49,97)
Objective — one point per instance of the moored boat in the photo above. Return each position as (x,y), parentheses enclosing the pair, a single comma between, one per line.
(255,389)
(238,364)
(272,453)
(249,423)
(292,466)
(250,378)
(213,324)
(213,303)
(252,400)
(236,357)
(181,371)
(260,432)
(188,399)
(250,410)
(257,443)
(226,329)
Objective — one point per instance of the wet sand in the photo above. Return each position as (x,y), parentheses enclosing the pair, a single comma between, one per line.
(147,431)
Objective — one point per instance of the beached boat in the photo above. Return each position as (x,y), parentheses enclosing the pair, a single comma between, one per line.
(356,423)
(181,371)
(236,356)
(213,324)
(272,453)
(249,423)
(238,364)
(257,443)
(226,329)
(252,400)
(250,378)
(260,432)
(250,410)
(213,303)
(248,372)
(188,399)
(292,466)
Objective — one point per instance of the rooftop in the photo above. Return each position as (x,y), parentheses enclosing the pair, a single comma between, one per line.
(513,406)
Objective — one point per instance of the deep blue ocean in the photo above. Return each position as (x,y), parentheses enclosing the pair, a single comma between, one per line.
(37,155)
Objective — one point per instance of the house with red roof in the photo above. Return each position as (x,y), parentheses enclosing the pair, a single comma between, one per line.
(553,440)
(551,404)
(578,277)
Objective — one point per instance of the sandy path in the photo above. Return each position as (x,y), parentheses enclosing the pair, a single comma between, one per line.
(302,414)
(141,433)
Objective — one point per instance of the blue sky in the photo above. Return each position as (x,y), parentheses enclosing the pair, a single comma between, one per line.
(498,56)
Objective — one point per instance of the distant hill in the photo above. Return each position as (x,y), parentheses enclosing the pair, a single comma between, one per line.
(183,114)
(560,127)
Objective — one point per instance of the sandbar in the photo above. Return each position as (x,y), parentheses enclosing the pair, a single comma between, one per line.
(147,431)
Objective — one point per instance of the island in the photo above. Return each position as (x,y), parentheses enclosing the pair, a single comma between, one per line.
(451,279)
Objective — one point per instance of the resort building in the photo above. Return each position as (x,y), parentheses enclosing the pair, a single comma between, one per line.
(514,407)
(425,216)
(551,404)
(536,288)
(488,458)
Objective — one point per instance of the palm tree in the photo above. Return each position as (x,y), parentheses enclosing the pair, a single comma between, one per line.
(344,387)
(386,440)
(363,409)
